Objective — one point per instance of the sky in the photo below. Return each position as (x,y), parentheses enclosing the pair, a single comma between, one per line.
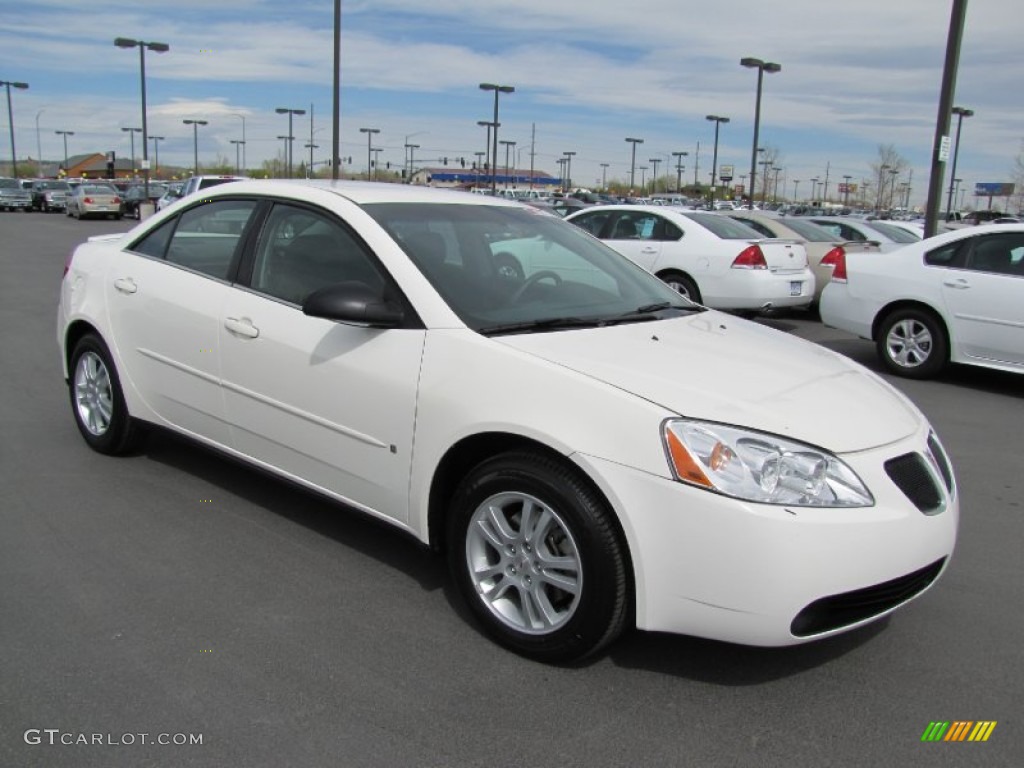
(587,74)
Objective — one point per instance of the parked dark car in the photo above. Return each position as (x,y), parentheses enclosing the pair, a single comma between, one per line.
(50,195)
(131,199)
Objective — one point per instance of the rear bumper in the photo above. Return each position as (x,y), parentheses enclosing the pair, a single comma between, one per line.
(762,289)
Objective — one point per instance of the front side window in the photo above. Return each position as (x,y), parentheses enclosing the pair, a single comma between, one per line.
(1001,254)
(302,250)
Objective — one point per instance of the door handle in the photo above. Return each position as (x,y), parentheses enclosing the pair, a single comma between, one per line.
(125,285)
(242,327)
(959,284)
(649,249)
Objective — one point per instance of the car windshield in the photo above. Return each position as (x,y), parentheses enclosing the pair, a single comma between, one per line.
(896,234)
(52,185)
(724,227)
(9,184)
(511,269)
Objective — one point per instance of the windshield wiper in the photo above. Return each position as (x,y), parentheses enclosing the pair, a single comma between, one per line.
(547,324)
(649,312)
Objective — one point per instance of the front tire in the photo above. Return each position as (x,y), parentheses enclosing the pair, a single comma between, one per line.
(538,558)
(97,401)
(912,343)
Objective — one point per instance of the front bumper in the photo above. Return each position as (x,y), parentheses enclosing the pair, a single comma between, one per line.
(711,566)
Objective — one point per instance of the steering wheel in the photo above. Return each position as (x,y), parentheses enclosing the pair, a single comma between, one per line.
(531,280)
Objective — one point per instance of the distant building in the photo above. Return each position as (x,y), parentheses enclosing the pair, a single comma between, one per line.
(94,166)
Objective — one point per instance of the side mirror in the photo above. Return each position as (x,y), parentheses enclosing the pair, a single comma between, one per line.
(354,303)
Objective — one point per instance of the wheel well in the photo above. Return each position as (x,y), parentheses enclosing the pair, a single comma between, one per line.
(673,271)
(74,333)
(473,450)
(915,305)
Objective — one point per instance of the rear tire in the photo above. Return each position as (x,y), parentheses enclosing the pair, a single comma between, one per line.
(538,558)
(682,284)
(912,343)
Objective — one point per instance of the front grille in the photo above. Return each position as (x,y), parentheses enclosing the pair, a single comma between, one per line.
(837,611)
(911,474)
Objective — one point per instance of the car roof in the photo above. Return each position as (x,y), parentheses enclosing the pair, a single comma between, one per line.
(359,192)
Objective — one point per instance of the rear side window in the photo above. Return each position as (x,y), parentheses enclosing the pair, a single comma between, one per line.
(724,227)
(951,256)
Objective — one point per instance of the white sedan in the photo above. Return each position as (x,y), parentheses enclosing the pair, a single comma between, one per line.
(956,297)
(705,256)
(589,449)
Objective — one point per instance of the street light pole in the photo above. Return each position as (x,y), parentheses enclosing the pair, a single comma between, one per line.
(568,170)
(131,132)
(632,164)
(65,134)
(960,113)
(10,121)
(142,45)
(762,67)
(714,157)
(679,170)
(604,176)
(508,146)
(243,165)
(654,174)
(291,136)
(498,89)
(195,141)
(238,165)
(369,150)
(156,152)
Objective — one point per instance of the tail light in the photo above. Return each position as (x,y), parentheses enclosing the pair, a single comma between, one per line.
(751,257)
(87,200)
(836,258)
(117,200)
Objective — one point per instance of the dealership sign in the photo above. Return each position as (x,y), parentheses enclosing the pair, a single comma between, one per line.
(993,189)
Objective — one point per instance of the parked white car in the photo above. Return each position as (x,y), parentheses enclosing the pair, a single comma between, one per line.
(888,237)
(705,256)
(957,297)
(589,448)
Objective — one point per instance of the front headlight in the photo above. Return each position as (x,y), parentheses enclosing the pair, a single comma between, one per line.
(760,467)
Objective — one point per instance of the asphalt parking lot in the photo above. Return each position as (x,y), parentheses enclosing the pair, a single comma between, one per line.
(177,593)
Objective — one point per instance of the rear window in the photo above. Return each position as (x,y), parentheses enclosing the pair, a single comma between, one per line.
(896,234)
(810,231)
(204,183)
(724,227)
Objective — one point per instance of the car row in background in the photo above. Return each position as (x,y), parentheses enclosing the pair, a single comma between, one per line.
(13,196)
(957,297)
(707,257)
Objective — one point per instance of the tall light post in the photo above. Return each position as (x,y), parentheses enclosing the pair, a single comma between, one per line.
(714,158)
(654,174)
(643,181)
(142,45)
(761,67)
(195,141)
(10,120)
(604,176)
(238,163)
(814,189)
(39,146)
(893,173)
(156,152)
(132,132)
(65,134)
(291,136)
(411,149)
(243,165)
(796,185)
(498,89)
(508,147)
(775,184)
(960,113)
(881,187)
(679,170)
(568,169)
(632,163)
(284,150)
(369,149)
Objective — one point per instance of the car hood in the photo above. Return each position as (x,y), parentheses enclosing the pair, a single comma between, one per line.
(720,368)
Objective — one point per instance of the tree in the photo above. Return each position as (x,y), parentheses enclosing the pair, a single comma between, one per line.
(888,168)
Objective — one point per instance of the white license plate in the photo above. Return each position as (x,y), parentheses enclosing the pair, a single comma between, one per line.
(795,288)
